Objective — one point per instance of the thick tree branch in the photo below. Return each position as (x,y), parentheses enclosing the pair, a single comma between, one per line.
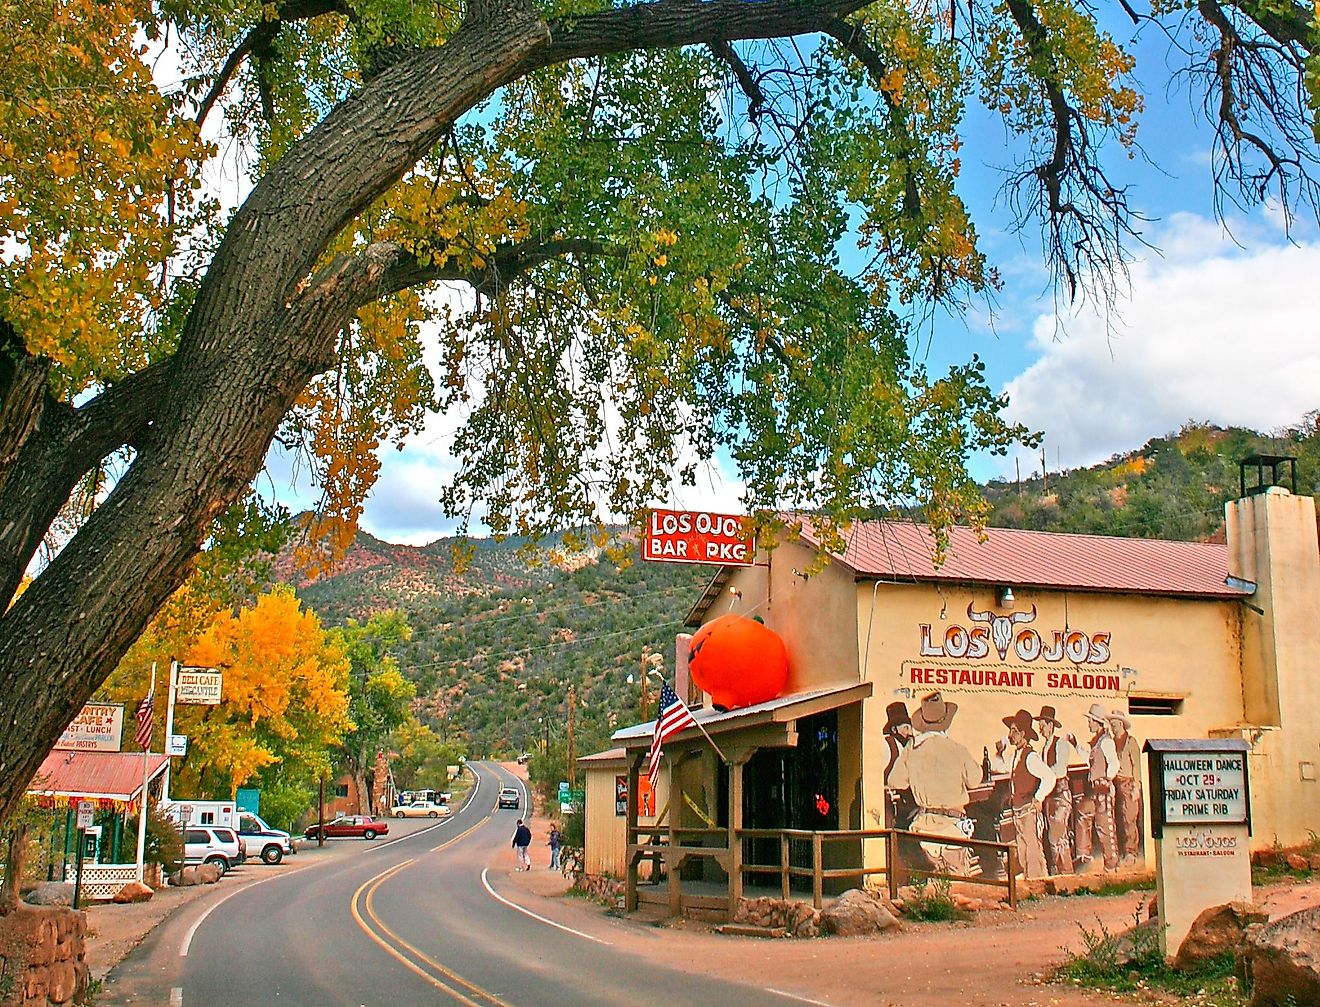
(22,394)
(747,81)
(65,445)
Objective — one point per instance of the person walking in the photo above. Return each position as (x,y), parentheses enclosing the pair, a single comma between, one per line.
(522,838)
(553,843)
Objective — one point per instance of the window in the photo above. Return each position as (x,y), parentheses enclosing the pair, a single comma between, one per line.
(224,835)
(1155,706)
(196,836)
(341,789)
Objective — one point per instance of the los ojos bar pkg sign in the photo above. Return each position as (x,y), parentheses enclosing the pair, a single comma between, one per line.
(673,536)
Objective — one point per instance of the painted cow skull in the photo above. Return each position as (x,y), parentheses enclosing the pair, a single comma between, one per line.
(1001,626)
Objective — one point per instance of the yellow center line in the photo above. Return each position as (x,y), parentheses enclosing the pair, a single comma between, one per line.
(370,886)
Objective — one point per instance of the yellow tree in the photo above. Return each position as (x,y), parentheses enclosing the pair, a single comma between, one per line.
(285,693)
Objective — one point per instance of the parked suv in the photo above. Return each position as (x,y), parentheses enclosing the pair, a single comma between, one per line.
(510,798)
(271,845)
(213,845)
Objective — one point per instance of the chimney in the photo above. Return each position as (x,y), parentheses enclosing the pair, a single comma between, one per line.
(1272,543)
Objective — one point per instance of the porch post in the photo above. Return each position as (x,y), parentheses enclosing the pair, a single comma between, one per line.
(737,760)
(630,835)
(672,859)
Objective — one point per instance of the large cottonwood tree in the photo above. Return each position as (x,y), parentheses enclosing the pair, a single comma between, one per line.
(646,205)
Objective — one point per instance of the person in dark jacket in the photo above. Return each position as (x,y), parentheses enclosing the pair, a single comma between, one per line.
(522,839)
(553,843)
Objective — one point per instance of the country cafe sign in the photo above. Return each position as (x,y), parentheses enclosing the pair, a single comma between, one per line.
(99,727)
(1013,651)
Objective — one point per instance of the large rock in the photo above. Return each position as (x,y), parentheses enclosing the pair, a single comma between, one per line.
(209,873)
(854,914)
(134,891)
(187,876)
(1217,932)
(52,893)
(1281,960)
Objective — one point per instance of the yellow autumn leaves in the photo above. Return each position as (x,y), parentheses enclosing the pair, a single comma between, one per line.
(285,686)
(91,154)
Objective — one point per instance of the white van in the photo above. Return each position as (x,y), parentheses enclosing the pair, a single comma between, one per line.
(189,813)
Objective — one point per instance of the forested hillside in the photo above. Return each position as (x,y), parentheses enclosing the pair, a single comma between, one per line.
(1174,487)
(496,648)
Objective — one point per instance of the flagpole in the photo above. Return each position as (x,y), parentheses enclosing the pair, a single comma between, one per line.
(142,804)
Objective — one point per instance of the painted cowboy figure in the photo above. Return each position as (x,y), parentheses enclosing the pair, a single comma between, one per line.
(1127,788)
(1058,753)
(900,806)
(1096,809)
(1030,781)
(940,772)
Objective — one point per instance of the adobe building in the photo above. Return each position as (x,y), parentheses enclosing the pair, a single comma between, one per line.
(929,697)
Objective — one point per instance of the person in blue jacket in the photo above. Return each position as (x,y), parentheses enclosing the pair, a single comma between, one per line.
(553,843)
(522,838)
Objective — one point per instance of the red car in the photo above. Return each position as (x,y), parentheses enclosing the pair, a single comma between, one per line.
(352,827)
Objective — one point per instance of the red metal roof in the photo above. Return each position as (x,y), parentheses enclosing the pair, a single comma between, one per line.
(1019,558)
(110,775)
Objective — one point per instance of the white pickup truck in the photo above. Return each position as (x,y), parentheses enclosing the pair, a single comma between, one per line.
(271,845)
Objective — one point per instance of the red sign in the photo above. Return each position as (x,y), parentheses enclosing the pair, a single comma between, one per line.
(681,536)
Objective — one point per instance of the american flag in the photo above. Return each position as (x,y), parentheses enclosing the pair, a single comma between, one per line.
(674,716)
(144,713)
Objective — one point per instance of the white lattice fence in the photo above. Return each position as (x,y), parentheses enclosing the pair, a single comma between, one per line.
(101,882)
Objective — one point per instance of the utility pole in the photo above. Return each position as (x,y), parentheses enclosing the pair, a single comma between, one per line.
(1044,475)
(572,700)
(320,816)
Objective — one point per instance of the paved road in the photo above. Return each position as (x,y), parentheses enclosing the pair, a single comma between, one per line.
(416,919)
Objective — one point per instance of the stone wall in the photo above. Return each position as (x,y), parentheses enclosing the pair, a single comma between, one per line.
(602,888)
(42,956)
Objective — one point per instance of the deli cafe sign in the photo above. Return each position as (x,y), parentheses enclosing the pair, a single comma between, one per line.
(674,536)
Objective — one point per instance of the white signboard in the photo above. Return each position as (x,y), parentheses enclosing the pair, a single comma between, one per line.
(177,745)
(85,810)
(198,687)
(1202,787)
(96,729)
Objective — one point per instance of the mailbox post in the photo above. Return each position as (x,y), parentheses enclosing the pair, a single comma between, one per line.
(1200,807)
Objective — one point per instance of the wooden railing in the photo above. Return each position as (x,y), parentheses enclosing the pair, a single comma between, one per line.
(657,847)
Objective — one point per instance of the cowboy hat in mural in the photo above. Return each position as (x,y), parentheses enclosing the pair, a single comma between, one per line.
(896,715)
(1022,721)
(1122,718)
(1047,715)
(1097,714)
(934,715)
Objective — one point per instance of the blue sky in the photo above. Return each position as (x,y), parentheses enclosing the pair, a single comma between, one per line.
(1215,328)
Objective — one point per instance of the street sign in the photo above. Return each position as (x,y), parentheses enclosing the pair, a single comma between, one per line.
(563,790)
(85,811)
(97,728)
(697,537)
(198,687)
(177,744)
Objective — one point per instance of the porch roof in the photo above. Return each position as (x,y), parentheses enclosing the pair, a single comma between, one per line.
(111,776)
(774,711)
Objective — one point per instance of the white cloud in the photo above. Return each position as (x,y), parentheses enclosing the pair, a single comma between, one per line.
(1214,331)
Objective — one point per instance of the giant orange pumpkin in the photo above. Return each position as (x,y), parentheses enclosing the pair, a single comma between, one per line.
(738,661)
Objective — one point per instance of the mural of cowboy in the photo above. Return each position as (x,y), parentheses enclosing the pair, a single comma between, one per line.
(1030,782)
(1058,752)
(939,772)
(900,807)
(1095,811)
(1127,788)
